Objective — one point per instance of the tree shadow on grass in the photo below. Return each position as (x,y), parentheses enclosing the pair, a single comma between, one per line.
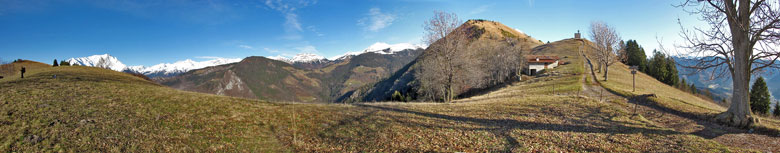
(504,127)
(711,129)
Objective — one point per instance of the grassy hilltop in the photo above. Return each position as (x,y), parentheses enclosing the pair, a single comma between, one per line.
(93,109)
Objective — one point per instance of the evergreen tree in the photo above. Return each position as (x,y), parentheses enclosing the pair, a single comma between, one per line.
(671,67)
(64,63)
(777,108)
(657,66)
(683,85)
(663,69)
(759,97)
(636,55)
(55,63)
(693,89)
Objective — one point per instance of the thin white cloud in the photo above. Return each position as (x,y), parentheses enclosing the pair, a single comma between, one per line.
(376,20)
(271,50)
(292,24)
(246,47)
(315,31)
(210,57)
(306,49)
(518,30)
(480,9)
(531,3)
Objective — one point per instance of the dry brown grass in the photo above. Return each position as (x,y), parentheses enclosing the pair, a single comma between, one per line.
(668,96)
(91,109)
(12,70)
(691,113)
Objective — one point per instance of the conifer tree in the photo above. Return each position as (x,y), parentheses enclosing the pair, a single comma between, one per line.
(671,77)
(759,97)
(55,63)
(777,109)
(636,55)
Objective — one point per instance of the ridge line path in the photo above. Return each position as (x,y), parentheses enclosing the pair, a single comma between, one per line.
(674,120)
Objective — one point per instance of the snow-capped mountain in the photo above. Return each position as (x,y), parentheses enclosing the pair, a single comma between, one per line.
(104,61)
(163,69)
(280,58)
(307,58)
(381,48)
(170,69)
(300,58)
(384,48)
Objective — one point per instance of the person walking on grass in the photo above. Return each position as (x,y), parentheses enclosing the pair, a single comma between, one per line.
(23,70)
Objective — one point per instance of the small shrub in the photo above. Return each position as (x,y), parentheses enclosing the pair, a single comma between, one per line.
(509,34)
(397,96)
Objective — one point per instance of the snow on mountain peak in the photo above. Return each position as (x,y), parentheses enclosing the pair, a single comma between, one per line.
(299,58)
(104,61)
(163,69)
(307,57)
(185,65)
(384,48)
(381,48)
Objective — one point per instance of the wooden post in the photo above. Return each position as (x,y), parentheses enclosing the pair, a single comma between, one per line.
(633,74)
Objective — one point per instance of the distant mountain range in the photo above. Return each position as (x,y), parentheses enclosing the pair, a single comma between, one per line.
(722,87)
(159,70)
(304,78)
(303,60)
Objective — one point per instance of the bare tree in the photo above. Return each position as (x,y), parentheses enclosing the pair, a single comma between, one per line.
(606,40)
(740,40)
(441,63)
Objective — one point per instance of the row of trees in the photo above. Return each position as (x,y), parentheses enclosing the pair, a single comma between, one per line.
(61,63)
(660,66)
(663,68)
(454,63)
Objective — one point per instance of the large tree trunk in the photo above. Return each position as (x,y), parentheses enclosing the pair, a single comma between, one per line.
(606,71)
(739,114)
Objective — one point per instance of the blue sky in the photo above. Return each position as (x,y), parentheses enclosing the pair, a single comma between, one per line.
(149,32)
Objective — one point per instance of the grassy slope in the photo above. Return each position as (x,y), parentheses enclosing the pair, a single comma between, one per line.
(109,111)
(520,117)
(620,81)
(92,109)
(403,80)
(11,70)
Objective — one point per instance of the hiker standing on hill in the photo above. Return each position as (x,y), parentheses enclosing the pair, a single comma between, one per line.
(23,70)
